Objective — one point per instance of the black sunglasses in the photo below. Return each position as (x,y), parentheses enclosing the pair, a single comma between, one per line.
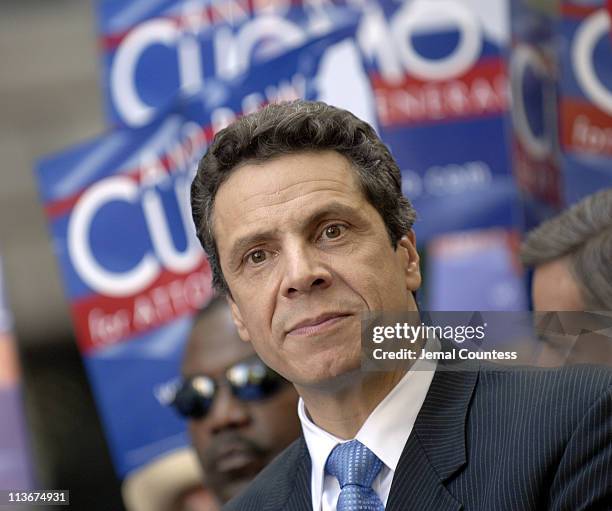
(249,380)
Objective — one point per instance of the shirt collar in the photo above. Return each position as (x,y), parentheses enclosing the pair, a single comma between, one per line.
(320,444)
(385,431)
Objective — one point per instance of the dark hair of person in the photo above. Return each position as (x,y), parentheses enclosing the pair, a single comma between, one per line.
(295,127)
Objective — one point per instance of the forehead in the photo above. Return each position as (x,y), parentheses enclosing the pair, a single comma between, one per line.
(214,344)
(555,288)
(280,188)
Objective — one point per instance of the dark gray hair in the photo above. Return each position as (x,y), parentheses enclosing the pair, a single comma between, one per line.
(289,128)
(584,234)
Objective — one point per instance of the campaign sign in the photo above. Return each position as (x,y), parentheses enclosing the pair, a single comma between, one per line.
(534,118)
(151,50)
(585,91)
(439,74)
(586,78)
(133,269)
(133,273)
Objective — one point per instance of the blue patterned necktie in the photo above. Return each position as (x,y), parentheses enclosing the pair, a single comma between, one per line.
(355,467)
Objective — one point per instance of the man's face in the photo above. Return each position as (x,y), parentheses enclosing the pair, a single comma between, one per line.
(304,255)
(236,439)
(555,289)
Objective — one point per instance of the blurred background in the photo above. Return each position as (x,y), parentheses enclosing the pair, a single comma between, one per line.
(50,98)
(499,113)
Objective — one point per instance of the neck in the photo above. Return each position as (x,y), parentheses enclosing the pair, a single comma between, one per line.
(343,409)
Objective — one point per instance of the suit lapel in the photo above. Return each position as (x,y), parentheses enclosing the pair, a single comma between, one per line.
(434,452)
(436,448)
(295,484)
(416,486)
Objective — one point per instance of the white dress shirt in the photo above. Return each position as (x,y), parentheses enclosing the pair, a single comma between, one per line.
(385,432)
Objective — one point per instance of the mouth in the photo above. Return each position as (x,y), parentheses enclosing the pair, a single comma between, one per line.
(317,325)
(235,460)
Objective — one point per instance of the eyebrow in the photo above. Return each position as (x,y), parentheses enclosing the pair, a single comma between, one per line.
(249,240)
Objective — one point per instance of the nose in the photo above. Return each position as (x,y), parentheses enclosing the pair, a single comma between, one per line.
(227,412)
(304,271)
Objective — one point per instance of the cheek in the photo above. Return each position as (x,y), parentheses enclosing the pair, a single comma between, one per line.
(199,435)
(256,304)
(259,322)
(362,268)
(375,282)
(547,293)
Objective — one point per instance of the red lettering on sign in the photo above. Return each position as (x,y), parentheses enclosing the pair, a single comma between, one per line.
(101,321)
(482,91)
(585,128)
(168,164)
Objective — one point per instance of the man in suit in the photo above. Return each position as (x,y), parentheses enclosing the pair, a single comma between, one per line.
(299,208)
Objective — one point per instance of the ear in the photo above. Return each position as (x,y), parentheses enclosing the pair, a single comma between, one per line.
(410,261)
(238,321)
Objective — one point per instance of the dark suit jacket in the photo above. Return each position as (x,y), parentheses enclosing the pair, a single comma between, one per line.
(490,439)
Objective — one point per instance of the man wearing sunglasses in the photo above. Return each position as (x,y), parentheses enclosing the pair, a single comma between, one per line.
(300,210)
(240,413)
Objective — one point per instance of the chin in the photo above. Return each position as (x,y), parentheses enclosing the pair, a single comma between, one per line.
(235,488)
(332,376)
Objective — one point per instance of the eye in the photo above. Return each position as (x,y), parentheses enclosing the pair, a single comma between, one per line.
(256,257)
(333,231)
